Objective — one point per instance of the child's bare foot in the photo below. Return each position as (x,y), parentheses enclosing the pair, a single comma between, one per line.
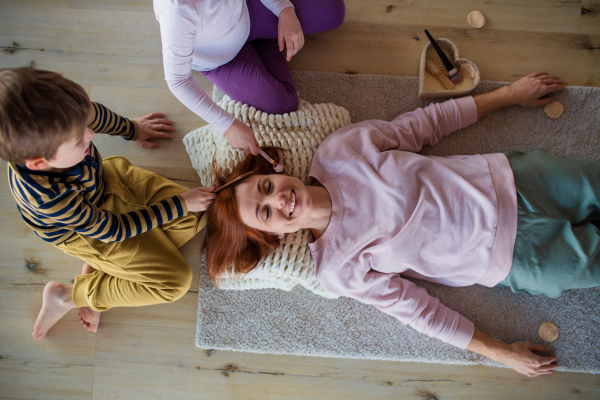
(57,301)
(89,318)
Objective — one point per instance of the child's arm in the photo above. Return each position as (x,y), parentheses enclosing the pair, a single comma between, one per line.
(198,199)
(74,212)
(137,130)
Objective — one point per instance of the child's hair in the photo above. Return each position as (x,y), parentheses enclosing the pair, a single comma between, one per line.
(39,111)
(232,248)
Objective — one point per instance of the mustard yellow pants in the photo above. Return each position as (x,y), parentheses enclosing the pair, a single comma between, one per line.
(145,269)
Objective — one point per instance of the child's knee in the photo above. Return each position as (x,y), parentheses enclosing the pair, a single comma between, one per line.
(180,284)
(184,284)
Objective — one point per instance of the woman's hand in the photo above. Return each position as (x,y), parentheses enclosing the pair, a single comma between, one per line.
(153,126)
(520,356)
(289,32)
(198,199)
(527,91)
(240,136)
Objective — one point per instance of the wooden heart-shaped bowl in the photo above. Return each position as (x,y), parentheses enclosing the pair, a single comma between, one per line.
(431,88)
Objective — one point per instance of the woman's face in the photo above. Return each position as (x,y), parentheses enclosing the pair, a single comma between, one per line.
(273,203)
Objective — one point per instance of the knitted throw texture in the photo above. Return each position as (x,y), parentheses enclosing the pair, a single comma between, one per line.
(299,132)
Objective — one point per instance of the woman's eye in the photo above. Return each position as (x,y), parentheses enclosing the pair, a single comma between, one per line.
(269,186)
(267,213)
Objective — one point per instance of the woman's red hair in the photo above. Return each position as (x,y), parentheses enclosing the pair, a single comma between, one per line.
(232,248)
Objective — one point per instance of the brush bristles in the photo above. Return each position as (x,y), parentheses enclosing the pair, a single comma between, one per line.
(455,76)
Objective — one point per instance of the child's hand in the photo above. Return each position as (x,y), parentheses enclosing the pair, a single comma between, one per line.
(198,199)
(153,126)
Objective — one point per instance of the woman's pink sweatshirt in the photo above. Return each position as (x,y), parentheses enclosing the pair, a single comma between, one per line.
(397,214)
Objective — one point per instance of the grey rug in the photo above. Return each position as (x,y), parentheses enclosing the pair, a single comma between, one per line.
(301,323)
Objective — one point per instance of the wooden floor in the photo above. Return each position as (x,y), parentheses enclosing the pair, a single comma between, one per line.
(112,48)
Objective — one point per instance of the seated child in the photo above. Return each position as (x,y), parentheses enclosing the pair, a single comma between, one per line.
(124,222)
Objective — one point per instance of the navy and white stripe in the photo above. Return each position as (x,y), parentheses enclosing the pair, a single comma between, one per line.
(56,205)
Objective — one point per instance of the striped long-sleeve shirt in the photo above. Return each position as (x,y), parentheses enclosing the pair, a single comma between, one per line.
(56,205)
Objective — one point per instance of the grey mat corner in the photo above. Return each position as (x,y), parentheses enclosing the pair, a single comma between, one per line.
(300,323)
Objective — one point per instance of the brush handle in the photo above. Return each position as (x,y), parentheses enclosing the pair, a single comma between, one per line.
(266,156)
(277,167)
(448,84)
(447,63)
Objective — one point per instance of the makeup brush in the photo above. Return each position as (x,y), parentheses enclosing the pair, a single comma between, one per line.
(276,167)
(453,72)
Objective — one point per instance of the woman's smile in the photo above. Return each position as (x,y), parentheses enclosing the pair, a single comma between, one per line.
(274,203)
(292,202)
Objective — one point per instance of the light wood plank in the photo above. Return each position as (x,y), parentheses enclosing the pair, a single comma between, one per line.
(590,20)
(227,375)
(391,50)
(59,367)
(102,32)
(531,16)
(36,3)
(92,69)
(115,5)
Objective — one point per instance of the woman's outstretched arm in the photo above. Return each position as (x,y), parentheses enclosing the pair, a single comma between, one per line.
(527,92)
(520,356)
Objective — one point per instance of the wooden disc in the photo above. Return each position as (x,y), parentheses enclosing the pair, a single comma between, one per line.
(554,109)
(548,332)
(467,70)
(476,19)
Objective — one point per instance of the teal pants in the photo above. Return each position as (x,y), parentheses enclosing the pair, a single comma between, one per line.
(558,232)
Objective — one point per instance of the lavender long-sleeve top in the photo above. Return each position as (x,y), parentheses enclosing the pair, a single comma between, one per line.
(398,214)
(202,35)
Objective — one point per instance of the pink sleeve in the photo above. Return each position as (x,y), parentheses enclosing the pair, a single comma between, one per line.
(408,132)
(275,6)
(400,298)
(413,130)
(177,31)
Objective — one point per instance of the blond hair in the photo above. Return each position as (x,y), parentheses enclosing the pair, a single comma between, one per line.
(39,111)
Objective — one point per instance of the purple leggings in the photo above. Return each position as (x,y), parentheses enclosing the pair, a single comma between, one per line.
(259,75)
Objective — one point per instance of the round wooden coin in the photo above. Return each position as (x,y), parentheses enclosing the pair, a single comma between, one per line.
(548,332)
(467,70)
(554,109)
(476,19)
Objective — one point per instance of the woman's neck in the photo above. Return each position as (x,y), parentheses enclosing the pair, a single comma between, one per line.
(321,210)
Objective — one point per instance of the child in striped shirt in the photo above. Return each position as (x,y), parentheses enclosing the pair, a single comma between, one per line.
(124,222)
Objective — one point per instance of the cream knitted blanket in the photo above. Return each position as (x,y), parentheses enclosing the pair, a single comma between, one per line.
(300,132)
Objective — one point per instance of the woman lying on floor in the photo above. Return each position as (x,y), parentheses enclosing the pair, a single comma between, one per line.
(378,213)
